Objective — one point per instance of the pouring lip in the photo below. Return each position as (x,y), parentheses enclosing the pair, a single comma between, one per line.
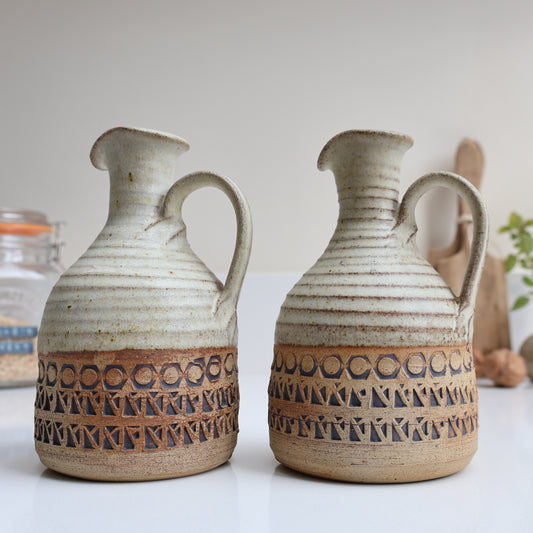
(97,155)
(401,139)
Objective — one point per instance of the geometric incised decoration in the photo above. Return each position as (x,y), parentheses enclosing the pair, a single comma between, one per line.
(380,430)
(367,363)
(373,395)
(136,400)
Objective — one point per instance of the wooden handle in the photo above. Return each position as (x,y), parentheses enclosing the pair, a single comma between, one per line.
(469,164)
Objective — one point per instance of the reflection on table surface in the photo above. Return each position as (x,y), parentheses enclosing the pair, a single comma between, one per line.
(254,493)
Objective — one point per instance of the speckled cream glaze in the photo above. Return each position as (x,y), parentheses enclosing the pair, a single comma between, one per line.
(139,284)
(371,286)
(138,341)
(372,379)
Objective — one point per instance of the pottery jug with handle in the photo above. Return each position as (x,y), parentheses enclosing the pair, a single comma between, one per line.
(138,342)
(373,378)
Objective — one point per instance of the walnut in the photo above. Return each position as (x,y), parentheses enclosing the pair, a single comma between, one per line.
(479,363)
(505,368)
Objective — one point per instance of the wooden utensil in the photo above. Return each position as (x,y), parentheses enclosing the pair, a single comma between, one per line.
(491,319)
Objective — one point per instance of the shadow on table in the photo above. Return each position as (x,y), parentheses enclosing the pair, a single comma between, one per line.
(315,504)
(17,453)
(285,472)
(208,500)
(256,458)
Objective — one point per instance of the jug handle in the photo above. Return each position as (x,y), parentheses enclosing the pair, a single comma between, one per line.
(172,206)
(406,227)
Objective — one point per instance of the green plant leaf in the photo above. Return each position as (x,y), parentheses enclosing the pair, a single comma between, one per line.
(503,229)
(520,302)
(528,281)
(525,244)
(528,222)
(510,262)
(515,220)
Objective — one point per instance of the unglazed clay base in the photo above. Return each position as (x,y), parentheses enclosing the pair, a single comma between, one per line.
(379,466)
(102,466)
(374,415)
(137,414)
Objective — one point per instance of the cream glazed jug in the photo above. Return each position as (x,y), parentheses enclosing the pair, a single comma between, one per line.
(373,378)
(138,342)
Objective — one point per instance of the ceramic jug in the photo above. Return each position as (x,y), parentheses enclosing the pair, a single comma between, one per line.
(372,378)
(138,342)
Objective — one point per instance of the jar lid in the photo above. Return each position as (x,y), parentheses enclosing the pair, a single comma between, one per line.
(23,222)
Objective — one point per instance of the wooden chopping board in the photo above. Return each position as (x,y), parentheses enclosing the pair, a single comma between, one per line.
(491,317)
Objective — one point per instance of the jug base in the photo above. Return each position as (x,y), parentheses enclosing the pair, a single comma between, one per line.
(339,463)
(142,466)
(134,414)
(373,414)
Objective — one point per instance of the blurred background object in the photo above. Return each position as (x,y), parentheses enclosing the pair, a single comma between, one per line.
(29,266)
(491,318)
(505,368)
(526,351)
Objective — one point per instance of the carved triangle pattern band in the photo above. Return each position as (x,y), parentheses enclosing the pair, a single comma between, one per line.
(136,400)
(373,395)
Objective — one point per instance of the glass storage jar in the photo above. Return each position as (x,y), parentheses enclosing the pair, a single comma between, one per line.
(29,267)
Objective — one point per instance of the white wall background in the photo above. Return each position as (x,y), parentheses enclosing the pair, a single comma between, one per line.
(257,88)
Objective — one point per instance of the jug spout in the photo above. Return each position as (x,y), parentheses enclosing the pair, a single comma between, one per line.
(357,152)
(141,165)
(366,165)
(136,148)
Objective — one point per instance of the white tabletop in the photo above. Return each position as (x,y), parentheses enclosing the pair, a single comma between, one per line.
(253,493)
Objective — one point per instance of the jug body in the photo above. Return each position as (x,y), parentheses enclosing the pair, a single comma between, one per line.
(372,378)
(138,341)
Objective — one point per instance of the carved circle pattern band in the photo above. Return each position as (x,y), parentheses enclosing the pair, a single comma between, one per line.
(373,395)
(136,400)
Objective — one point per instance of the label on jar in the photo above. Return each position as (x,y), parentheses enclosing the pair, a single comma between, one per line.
(17,339)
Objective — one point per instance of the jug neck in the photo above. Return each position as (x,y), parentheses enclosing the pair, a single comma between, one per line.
(137,192)
(366,165)
(141,165)
(368,199)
